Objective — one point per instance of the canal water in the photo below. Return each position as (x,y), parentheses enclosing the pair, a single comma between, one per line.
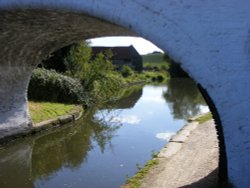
(102,148)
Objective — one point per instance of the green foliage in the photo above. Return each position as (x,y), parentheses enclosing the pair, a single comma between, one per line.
(104,90)
(164,67)
(139,167)
(153,76)
(46,85)
(98,77)
(155,67)
(153,58)
(155,62)
(78,57)
(126,71)
(135,181)
(159,78)
(92,80)
(161,66)
(154,154)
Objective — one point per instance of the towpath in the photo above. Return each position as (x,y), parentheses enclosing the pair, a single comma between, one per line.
(190,160)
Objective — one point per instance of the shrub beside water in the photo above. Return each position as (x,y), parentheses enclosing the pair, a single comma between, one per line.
(47,85)
(126,71)
(91,79)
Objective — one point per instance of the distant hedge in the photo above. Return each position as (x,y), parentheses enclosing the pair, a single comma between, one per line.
(48,85)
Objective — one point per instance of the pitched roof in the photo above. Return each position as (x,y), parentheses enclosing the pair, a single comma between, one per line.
(119,52)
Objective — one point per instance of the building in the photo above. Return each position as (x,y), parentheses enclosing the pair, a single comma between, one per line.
(125,55)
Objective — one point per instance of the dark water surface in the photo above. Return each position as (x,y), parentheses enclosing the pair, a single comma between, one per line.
(100,150)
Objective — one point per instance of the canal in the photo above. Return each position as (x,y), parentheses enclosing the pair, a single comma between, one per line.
(104,147)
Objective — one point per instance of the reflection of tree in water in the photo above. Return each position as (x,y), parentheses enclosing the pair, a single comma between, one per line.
(184,98)
(129,98)
(69,147)
(103,134)
(15,163)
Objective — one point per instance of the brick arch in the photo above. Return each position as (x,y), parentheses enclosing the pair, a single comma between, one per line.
(211,39)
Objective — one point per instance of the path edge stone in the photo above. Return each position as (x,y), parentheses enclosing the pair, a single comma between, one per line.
(44,125)
(176,141)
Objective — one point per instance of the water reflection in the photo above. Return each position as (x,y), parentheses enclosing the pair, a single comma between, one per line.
(129,99)
(69,147)
(164,136)
(15,165)
(184,98)
(45,155)
(102,144)
(118,118)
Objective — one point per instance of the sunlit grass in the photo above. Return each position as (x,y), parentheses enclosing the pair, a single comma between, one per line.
(204,118)
(135,181)
(41,111)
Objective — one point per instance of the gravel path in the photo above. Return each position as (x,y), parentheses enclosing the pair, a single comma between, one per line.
(189,160)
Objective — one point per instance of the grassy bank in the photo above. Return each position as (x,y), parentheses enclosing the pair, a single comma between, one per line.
(147,77)
(135,181)
(41,111)
(155,67)
(204,118)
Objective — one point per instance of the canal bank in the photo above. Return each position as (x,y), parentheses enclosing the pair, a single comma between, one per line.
(190,159)
(48,116)
(72,116)
(111,143)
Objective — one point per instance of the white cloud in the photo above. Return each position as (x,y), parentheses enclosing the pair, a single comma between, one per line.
(164,136)
(153,99)
(130,119)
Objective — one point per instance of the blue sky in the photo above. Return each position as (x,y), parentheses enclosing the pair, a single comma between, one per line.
(143,46)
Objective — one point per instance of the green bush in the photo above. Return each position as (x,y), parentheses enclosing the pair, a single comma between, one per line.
(153,79)
(107,89)
(148,67)
(126,71)
(159,78)
(47,85)
(164,67)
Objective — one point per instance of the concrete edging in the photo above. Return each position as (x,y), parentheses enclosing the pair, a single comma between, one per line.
(44,125)
(176,141)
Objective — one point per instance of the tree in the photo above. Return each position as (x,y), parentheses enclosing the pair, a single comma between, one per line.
(97,74)
(78,57)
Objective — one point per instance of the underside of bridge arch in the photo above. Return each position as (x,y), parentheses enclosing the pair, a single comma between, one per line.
(211,40)
(27,37)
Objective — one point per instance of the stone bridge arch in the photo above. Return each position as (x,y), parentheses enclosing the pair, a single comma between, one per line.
(211,39)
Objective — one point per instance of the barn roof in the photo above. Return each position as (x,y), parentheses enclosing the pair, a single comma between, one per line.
(119,52)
